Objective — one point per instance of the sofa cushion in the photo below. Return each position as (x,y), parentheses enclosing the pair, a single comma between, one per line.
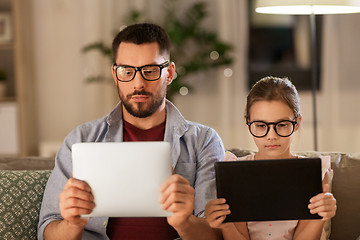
(21,194)
(346,189)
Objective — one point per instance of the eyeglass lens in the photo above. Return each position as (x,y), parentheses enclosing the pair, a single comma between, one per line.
(282,128)
(126,73)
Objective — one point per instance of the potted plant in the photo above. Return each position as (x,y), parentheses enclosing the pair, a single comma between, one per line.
(2,83)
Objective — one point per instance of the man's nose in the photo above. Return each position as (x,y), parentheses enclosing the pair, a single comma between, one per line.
(138,81)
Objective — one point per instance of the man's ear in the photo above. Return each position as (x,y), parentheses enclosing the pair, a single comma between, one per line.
(171,73)
(114,75)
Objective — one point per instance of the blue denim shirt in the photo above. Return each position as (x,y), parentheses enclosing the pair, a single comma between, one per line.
(195,149)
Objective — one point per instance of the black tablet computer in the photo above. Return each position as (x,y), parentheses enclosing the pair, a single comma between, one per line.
(268,190)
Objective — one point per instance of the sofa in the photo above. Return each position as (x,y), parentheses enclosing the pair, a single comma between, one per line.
(22,183)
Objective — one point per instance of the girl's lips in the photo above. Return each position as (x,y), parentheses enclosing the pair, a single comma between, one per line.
(272,146)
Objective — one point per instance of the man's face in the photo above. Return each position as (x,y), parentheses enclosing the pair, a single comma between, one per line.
(139,97)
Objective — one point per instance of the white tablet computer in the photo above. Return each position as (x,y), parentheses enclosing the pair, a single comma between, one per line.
(124,176)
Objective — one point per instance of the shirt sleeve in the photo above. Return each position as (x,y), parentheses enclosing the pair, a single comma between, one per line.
(50,211)
(50,204)
(211,150)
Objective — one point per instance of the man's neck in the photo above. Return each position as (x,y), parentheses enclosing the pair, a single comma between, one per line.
(155,119)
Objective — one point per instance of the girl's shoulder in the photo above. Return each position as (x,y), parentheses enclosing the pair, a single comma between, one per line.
(325,164)
(229,156)
(325,161)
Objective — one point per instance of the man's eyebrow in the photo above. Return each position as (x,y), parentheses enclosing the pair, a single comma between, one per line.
(138,66)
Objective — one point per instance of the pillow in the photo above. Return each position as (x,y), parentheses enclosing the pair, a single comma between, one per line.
(21,195)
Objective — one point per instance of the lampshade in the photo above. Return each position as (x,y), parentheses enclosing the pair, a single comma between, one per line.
(305,7)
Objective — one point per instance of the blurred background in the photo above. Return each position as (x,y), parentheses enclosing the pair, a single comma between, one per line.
(55,70)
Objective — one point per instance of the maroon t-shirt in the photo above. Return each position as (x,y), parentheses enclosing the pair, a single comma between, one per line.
(156,228)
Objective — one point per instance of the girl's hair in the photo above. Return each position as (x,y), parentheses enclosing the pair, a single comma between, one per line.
(273,88)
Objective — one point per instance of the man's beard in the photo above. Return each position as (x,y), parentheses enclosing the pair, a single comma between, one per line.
(143,109)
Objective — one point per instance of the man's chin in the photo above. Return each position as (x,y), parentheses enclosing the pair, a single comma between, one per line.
(139,112)
(141,109)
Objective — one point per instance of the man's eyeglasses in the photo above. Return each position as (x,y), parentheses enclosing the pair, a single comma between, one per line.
(150,72)
(282,128)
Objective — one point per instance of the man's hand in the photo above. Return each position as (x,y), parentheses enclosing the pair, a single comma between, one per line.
(76,199)
(323,204)
(177,196)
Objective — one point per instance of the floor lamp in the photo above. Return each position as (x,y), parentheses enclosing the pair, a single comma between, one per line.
(311,8)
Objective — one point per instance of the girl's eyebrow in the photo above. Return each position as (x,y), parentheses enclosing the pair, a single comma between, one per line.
(278,120)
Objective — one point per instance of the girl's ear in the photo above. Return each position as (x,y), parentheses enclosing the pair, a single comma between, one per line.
(297,126)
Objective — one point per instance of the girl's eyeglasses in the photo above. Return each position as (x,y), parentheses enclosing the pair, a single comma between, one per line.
(283,128)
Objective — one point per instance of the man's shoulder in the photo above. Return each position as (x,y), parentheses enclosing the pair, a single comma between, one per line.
(184,126)
(93,123)
(198,130)
(87,131)
(198,126)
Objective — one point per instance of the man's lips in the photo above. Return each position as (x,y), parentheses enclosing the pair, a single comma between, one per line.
(139,98)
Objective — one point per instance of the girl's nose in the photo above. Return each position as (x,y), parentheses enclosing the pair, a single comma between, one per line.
(272,134)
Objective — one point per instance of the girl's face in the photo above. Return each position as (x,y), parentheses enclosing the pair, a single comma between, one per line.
(272,145)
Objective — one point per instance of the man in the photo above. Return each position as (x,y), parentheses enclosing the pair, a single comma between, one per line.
(142,71)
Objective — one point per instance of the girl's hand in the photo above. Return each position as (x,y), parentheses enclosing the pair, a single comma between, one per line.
(215,212)
(323,204)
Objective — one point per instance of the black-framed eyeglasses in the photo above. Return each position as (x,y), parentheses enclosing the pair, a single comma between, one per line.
(283,128)
(151,72)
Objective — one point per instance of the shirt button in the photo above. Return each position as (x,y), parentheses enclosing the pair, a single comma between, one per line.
(104,223)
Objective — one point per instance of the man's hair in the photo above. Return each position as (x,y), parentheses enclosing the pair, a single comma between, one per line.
(142,33)
(271,89)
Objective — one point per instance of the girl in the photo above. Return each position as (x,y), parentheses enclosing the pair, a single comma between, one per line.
(273,115)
